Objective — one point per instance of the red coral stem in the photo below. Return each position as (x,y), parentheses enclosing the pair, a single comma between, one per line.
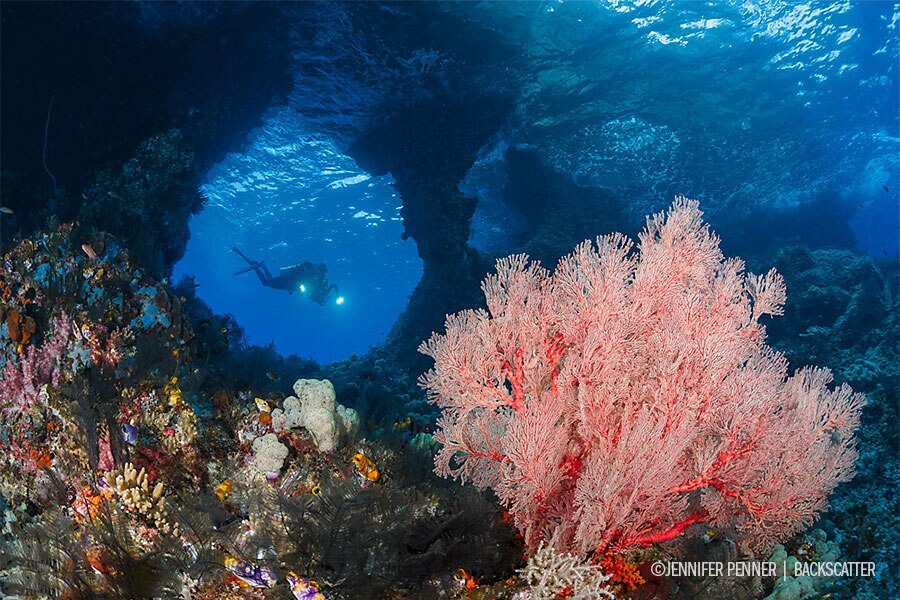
(674,531)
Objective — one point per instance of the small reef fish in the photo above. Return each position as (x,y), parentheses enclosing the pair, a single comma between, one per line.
(89,251)
(250,573)
(262,405)
(82,332)
(273,376)
(223,488)
(365,467)
(304,589)
(129,434)
(6,210)
(464,579)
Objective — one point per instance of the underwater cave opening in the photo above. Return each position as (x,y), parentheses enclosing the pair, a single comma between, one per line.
(290,197)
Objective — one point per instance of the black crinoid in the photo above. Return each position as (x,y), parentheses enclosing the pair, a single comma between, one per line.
(358,541)
(87,397)
(46,559)
(58,557)
(103,554)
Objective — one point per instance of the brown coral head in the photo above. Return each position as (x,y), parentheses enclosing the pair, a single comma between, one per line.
(13,324)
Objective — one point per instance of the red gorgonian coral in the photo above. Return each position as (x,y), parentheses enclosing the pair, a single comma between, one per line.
(630,394)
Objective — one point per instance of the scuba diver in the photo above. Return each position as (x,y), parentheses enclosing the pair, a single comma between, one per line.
(306,278)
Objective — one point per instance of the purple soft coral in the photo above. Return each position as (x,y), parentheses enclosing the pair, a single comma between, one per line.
(21,382)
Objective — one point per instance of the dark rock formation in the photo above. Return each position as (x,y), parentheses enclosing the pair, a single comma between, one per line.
(113,112)
(559,213)
(428,147)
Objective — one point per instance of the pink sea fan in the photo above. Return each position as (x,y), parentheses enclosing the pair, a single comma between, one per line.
(630,395)
(22,379)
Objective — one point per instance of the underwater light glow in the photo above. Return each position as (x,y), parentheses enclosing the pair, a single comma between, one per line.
(339,300)
(302,289)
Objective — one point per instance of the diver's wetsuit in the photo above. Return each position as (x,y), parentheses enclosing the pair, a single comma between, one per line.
(306,274)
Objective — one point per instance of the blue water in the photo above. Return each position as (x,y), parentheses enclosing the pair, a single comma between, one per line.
(749,107)
(291,197)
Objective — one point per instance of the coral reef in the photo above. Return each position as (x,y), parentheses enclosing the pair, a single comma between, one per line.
(844,312)
(150,451)
(104,332)
(135,468)
(127,433)
(180,481)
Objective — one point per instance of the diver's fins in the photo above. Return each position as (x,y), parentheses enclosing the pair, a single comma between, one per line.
(253,263)
(253,266)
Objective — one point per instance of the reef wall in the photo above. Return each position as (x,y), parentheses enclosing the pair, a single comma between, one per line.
(435,213)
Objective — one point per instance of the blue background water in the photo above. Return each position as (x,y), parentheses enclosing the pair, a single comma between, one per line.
(290,198)
(749,107)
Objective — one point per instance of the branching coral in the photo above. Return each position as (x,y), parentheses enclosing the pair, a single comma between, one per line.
(132,489)
(549,573)
(630,395)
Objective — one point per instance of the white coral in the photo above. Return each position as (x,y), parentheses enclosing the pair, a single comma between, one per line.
(348,419)
(270,454)
(314,409)
(549,571)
